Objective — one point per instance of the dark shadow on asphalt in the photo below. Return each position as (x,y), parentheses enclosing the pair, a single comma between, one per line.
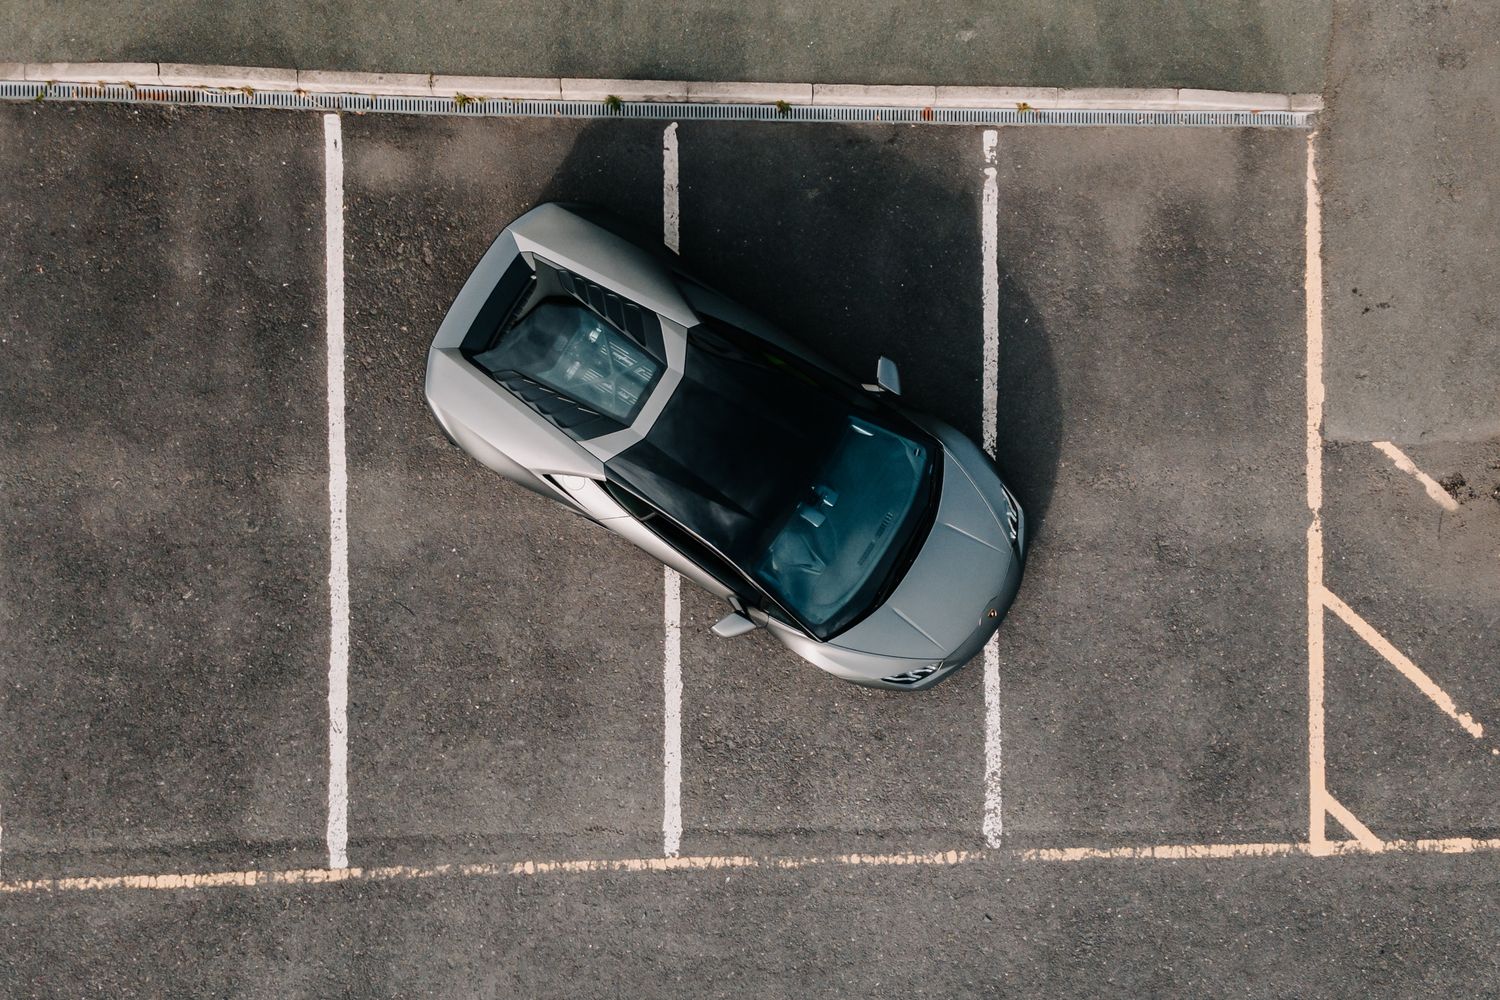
(860,241)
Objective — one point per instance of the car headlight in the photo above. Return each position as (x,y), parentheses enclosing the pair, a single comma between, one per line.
(1012,515)
(916,675)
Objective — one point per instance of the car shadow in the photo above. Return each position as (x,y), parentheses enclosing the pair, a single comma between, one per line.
(860,240)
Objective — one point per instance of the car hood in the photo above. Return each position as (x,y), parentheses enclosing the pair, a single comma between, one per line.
(963,567)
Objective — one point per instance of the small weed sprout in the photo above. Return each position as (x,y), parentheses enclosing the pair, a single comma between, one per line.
(612,104)
(783,108)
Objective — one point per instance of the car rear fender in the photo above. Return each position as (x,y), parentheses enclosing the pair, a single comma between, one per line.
(569,241)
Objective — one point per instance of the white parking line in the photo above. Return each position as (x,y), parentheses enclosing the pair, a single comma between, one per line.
(670,219)
(338,504)
(989,239)
(1317,790)
(671,819)
(1406,465)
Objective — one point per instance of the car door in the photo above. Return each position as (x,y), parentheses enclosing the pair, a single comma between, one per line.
(653,531)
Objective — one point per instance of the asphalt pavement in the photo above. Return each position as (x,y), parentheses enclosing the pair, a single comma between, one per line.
(166,543)
(1273,45)
(1412,240)
(166,535)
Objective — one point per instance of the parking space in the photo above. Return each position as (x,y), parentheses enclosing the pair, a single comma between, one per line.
(863,241)
(1154,670)
(1166,504)
(167,549)
(1423,575)
(163,460)
(1411,315)
(505,691)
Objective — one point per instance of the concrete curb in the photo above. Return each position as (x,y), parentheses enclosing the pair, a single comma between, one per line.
(1219,100)
(750,93)
(316,81)
(1035,98)
(1119,99)
(667,91)
(136,74)
(873,96)
(225,77)
(518,88)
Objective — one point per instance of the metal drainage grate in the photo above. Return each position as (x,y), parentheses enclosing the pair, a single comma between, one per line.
(642,110)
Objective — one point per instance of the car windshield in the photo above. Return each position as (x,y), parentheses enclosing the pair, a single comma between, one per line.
(838,533)
(808,486)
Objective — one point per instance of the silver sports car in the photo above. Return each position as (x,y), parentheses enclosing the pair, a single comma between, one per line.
(876,543)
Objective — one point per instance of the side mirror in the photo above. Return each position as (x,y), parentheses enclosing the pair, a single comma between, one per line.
(887,377)
(733,624)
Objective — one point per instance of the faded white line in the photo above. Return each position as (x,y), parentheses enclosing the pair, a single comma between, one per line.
(670,219)
(186,881)
(1432,845)
(993,824)
(1317,790)
(338,503)
(989,291)
(711,862)
(1408,669)
(1212,852)
(1313,301)
(1163,852)
(1406,465)
(671,819)
(989,238)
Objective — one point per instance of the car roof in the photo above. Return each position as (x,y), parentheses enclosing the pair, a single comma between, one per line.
(739,427)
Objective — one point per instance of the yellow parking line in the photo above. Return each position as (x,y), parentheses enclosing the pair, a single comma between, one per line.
(1409,467)
(1313,301)
(1165,852)
(179,882)
(1408,669)
(1350,822)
